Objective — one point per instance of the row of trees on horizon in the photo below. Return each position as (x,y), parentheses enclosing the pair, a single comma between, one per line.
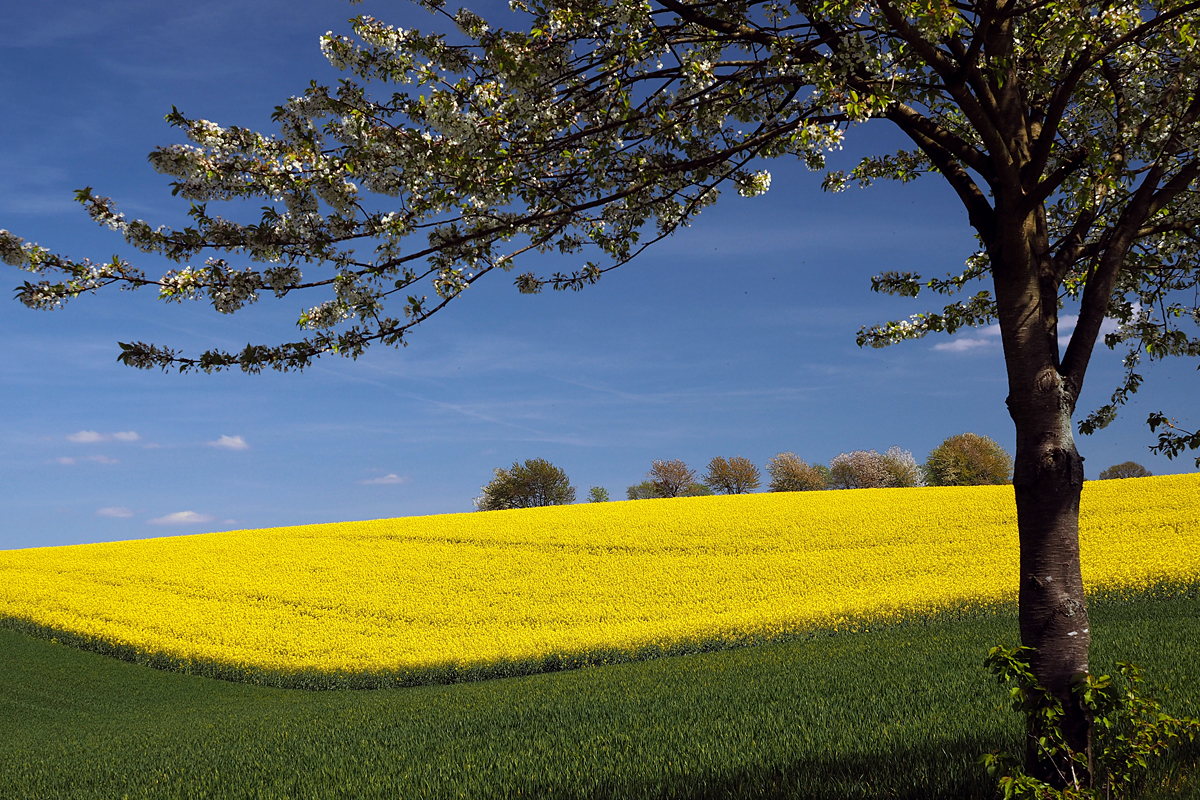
(966,459)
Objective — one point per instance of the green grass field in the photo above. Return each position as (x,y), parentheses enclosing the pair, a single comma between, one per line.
(895,713)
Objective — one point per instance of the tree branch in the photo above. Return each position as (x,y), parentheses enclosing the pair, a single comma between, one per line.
(1061,100)
(982,118)
(979,210)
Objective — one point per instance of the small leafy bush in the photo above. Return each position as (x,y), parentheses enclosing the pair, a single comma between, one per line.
(1128,730)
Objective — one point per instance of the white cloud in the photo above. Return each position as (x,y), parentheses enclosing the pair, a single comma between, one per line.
(386,479)
(97,459)
(962,345)
(984,337)
(230,443)
(89,437)
(114,511)
(181,518)
(990,335)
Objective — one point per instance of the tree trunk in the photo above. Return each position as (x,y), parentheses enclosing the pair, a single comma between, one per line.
(1048,479)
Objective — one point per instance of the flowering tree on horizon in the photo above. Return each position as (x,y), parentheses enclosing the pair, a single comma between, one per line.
(1068,130)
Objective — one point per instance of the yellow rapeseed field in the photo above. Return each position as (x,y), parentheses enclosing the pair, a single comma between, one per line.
(588,582)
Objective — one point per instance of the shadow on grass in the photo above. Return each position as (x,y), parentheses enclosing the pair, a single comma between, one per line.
(947,773)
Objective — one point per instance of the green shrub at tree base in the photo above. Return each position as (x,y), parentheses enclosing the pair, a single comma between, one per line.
(1129,730)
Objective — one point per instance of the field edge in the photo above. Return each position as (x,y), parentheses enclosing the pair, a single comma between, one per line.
(452,673)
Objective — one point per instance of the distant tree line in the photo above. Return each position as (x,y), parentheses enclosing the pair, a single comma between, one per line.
(963,460)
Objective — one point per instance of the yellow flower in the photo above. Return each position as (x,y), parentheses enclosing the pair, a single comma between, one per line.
(590,582)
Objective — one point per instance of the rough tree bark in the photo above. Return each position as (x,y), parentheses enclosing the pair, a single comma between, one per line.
(1047,473)
(1048,479)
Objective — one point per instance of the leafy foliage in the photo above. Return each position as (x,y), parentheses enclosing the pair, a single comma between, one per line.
(610,125)
(1173,439)
(790,473)
(736,475)
(1126,469)
(968,459)
(598,494)
(1129,729)
(537,482)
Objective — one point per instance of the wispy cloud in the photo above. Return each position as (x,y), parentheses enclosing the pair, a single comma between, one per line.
(386,479)
(982,337)
(88,437)
(181,518)
(118,512)
(97,459)
(990,336)
(963,345)
(230,443)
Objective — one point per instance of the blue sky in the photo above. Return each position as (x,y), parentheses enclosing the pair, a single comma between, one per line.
(736,337)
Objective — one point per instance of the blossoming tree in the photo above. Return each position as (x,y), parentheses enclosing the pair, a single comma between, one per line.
(1068,129)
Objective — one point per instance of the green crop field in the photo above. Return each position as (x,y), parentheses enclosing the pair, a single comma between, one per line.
(900,712)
